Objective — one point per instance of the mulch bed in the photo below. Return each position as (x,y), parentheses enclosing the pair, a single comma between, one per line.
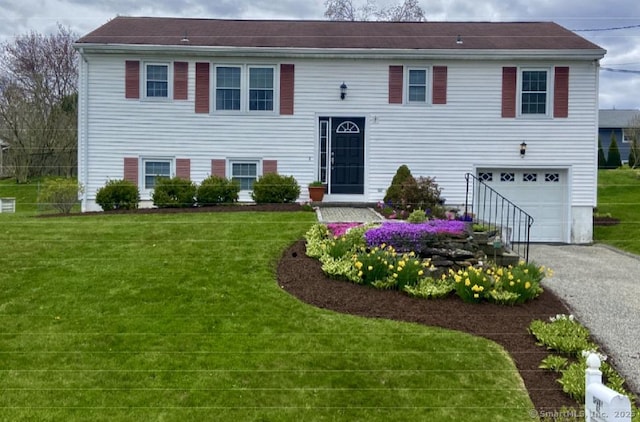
(302,277)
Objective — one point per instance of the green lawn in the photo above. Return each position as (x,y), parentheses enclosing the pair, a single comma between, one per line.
(179,317)
(619,195)
(26,194)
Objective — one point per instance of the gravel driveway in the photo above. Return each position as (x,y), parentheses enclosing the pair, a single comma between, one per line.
(601,286)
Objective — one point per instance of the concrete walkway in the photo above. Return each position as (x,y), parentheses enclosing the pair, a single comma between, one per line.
(347,215)
(601,286)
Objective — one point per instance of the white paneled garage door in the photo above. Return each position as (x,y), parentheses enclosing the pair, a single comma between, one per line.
(542,193)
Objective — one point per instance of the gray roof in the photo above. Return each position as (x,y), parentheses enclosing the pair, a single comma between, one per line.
(614,119)
(340,35)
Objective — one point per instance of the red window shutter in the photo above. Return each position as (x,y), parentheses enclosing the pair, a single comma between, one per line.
(287,79)
(183,168)
(269,166)
(439,84)
(218,168)
(131,169)
(202,87)
(561,92)
(395,84)
(132,79)
(180,80)
(509,90)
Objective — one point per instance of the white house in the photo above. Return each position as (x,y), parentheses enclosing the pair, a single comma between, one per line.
(347,103)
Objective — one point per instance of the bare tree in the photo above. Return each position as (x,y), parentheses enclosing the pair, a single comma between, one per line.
(408,11)
(38,93)
(633,131)
(345,10)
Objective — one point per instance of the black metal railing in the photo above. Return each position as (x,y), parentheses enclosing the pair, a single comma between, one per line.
(495,213)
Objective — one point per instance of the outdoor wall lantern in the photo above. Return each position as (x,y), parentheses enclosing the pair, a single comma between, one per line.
(523,149)
(343,91)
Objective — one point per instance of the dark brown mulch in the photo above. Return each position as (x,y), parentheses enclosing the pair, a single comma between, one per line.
(605,221)
(507,325)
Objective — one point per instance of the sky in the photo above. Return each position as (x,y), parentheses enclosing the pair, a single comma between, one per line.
(612,24)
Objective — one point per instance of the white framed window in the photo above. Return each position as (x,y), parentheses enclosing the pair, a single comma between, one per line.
(261,84)
(228,87)
(245,173)
(156,80)
(153,169)
(534,92)
(417,85)
(627,136)
(245,88)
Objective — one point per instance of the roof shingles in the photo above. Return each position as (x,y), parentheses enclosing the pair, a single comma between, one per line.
(338,35)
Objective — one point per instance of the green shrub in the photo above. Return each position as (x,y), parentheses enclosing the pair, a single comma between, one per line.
(428,288)
(395,195)
(118,195)
(425,194)
(174,192)
(613,156)
(417,216)
(217,190)
(60,194)
(602,160)
(563,334)
(634,154)
(273,188)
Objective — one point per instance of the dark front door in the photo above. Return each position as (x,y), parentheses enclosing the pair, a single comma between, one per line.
(347,155)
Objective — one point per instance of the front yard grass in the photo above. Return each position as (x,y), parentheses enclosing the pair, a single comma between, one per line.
(179,317)
(619,195)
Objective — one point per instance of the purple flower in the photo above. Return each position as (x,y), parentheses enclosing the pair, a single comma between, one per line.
(409,236)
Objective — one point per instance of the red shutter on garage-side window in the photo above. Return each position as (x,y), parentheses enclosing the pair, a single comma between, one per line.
(509,91)
(131,169)
(561,92)
(183,168)
(180,80)
(287,80)
(202,87)
(218,168)
(395,84)
(269,166)
(439,84)
(132,79)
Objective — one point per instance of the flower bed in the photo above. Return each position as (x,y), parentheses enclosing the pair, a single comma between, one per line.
(368,255)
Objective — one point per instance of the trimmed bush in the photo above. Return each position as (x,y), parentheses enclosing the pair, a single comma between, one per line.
(174,192)
(634,154)
(217,190)
(613,157)
(60,194)
(273,188)
(118,195)
(602,160)
(396,193)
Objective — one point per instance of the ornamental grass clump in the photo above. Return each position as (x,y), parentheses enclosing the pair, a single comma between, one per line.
(412,237)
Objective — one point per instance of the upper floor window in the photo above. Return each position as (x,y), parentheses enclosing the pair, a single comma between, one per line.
(228,88)
(260,88)
(244,88)
(534,92)
(157,80)
(417,86)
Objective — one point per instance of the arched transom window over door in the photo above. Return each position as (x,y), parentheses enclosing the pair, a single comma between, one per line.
(348,127)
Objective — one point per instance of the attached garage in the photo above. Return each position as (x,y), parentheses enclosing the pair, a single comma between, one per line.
(542,193)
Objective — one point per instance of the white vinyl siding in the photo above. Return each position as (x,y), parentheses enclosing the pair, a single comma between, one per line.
(433,141)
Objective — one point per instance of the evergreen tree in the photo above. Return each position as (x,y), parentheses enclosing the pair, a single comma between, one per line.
(613,157)
(602,160)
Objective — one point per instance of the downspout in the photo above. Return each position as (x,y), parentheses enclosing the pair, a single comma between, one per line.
(83,128)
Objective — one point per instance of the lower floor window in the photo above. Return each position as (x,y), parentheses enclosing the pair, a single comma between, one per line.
(154,169)
(244,173)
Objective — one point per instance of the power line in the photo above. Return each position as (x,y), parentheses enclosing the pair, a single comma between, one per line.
(608,69)
(606,29)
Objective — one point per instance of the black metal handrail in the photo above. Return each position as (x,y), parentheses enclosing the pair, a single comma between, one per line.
(496,213)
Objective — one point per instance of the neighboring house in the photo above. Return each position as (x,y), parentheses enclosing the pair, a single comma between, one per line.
(346,103)
(617,122)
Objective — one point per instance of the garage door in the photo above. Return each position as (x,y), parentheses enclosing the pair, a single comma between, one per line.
(542,193)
